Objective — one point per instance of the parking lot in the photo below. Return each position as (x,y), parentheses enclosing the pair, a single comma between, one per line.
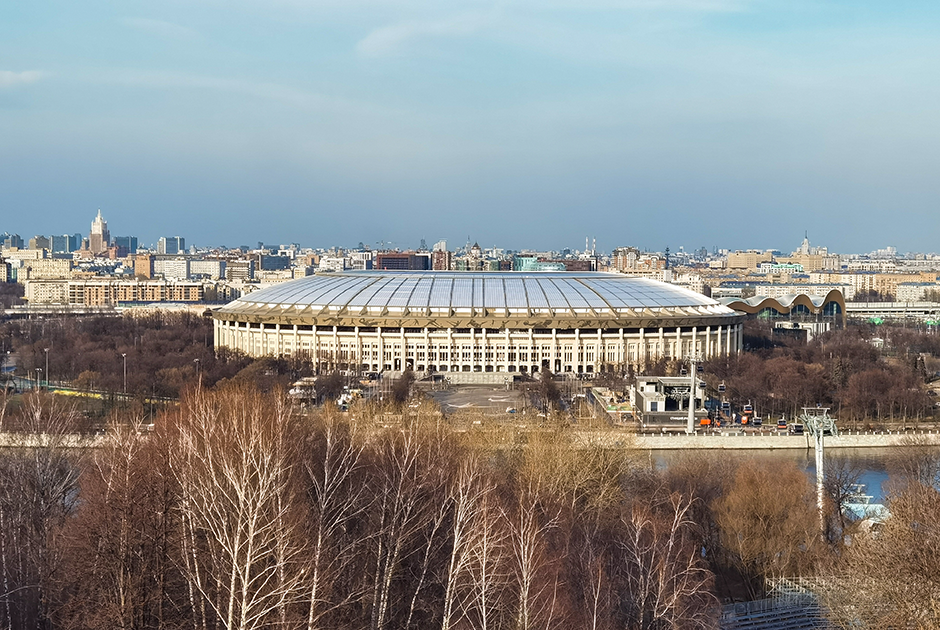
(485,398)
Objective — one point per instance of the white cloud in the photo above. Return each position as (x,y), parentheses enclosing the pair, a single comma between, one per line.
(8,78)
(265,90)
(389,39)
(161,28)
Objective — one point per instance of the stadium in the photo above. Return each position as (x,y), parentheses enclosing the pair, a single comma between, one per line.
(477,322)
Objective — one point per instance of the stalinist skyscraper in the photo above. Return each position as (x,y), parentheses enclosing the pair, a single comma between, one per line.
(100,238)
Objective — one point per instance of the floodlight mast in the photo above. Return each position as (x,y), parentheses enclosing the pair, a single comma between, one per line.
(818,423)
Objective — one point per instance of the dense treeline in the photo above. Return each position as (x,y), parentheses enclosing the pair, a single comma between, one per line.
(237,512)
(863,382)
(843,370)
(164,352)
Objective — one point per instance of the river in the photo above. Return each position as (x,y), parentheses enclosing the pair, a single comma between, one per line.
(873,462)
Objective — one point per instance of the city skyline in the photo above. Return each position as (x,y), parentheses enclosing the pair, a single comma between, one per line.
(668,122)
(427,244)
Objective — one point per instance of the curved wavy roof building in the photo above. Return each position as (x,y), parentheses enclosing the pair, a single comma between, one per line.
(831,305)
(477,322)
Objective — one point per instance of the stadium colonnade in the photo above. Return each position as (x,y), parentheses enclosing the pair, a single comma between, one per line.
(478,322)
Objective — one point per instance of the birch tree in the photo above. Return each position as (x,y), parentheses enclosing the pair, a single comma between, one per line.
(666,585)
(38,492)
(337,495)
(233,461)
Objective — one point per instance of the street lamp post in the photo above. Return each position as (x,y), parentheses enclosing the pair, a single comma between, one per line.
(38,378)
(46,350)
(124,356)
(198,375)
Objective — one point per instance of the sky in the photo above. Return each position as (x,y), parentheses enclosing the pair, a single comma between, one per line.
(519,124)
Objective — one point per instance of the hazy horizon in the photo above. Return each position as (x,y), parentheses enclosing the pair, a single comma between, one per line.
(651,123)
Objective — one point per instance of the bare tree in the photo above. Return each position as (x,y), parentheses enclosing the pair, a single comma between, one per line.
(404,477)
(120,571)
(842,477)
(38,492)
(333,465)
(233,460)
(667,585)
(768,520)
(487,565)
(468,493)
(536,585)
(890,578)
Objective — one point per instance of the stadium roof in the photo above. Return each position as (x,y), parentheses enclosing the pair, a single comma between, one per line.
(434,293)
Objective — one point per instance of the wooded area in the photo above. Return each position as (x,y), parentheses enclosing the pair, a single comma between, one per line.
(239,512)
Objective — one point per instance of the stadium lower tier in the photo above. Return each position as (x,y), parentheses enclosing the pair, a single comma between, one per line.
(374,349)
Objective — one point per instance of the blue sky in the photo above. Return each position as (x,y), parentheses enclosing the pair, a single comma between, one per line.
(654,123)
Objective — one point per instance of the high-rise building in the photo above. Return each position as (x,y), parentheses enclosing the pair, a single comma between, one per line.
(40,242)
(65,244)
(128,243)
(100,238)
(9,241)
(440,260)
(171,245)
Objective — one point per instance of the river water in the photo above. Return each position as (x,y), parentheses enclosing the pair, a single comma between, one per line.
(872,461)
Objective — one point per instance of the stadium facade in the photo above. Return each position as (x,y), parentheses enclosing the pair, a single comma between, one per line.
(477,322)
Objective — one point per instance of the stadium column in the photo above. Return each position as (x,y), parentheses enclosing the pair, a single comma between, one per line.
(731,333)
(427,349)
(600,357)
(662,341)
(555,361)
(641,348)
(531,352)
(403,350)
(295,343)
(693,351)
(450,347)
(577,352)
(718,342)
(381,343)
(334,351)
(508,342)
(708,341)
(679,352)
(624,356)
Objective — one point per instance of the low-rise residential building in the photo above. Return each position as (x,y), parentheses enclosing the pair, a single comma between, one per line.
(45,269)
(916,291)
(172,268)
(46,291)
(113,292)
(208,268)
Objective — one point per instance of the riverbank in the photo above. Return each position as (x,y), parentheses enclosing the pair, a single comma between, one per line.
(738,440)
